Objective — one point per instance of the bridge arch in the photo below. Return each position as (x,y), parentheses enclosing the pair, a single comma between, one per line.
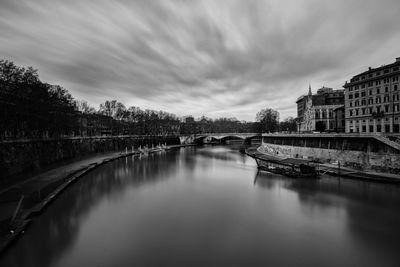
(199,138)
(256,136)
(223,137)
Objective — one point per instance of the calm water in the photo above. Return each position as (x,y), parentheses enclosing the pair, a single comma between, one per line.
(209,207)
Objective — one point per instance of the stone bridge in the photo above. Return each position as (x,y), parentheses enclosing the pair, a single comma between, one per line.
(207,137)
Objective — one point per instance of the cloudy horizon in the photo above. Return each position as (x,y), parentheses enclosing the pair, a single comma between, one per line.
(212,58)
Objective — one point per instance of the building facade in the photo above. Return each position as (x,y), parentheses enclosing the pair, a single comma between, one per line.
(372,102)
(321,112)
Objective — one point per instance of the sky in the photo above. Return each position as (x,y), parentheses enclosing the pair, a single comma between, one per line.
(213,58)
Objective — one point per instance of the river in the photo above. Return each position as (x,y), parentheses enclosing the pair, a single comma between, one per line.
(208,206)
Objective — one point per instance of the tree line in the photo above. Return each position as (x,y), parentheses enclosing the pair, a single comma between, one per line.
(31,108)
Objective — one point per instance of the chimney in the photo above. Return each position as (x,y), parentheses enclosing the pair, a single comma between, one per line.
(397,59)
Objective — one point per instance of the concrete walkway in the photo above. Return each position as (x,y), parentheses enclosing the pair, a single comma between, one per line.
(39,190)
(10,196)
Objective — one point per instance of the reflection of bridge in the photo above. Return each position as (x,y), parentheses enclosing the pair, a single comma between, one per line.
(201,137)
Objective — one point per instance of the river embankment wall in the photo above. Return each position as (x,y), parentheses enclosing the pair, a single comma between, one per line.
(21,157)
(361,160)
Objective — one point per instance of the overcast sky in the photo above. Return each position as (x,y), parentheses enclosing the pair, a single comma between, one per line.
(217,58)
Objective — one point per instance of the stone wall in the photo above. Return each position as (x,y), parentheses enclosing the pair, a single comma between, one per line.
(20,159)
(357,159)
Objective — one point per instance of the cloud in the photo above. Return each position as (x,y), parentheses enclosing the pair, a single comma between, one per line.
(216,58)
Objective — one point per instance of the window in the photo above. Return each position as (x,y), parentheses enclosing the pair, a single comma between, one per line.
(378,90)
(363,102)
(378,73)
(378,82)
(386,71)
(395,78)
(395,87)
(350,104)
(396,128)
(370,84)
(363,93)
(351,113)
(378,109)
(363,111)
(370,92)
(386,89)
(386,80)
(363,85)
(385,98)
(370,100)
(356,95)
(356,112)
(395,68)
(387,108)
(378,100)
(370,110)
(395,97)
(350,96)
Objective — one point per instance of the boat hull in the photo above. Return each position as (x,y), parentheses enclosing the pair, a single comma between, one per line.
(284,167)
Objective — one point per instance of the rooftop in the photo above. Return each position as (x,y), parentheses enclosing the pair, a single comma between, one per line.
(363,78)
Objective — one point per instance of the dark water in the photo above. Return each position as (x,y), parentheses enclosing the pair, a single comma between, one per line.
(209,207)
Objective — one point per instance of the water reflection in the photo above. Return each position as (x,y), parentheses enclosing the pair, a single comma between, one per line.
(369,209)
(209,206)
(53,233)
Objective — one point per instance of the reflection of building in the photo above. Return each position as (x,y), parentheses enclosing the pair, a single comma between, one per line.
(323,111)
(372,100)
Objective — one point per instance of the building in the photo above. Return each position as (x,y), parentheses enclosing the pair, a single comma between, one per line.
(189,119)
(322,112)
(372,100)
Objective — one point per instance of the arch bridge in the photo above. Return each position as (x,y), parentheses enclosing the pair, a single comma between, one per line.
(221,137)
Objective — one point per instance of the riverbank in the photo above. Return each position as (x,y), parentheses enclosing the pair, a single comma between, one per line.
(21,157)
(20,202)
(346,172)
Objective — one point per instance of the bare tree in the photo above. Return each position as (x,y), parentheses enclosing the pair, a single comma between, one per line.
(268,119)
(84,107)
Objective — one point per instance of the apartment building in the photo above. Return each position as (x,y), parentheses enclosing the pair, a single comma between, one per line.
(372,102)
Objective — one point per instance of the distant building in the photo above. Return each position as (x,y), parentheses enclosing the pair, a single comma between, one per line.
(189,119)
(322,112)
(372,100)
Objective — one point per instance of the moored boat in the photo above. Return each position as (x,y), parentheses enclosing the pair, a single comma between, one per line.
(290,167)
